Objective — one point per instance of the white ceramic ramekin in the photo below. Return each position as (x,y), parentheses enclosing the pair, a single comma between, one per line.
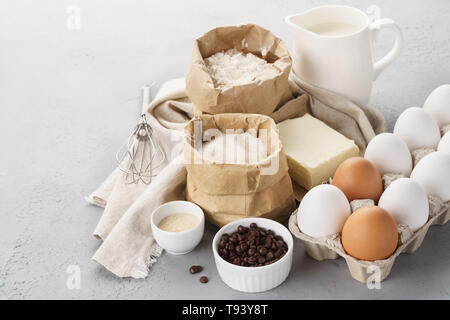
(254,279)
(178,242)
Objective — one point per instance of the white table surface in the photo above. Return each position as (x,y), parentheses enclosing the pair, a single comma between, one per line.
(68,99)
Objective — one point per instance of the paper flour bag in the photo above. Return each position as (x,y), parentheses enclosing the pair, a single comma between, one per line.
(230,190)
(261,96)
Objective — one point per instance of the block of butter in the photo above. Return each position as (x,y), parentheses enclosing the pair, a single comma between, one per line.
(313,149)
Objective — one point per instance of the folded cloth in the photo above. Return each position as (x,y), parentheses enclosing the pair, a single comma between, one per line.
(355,121)
(128,247)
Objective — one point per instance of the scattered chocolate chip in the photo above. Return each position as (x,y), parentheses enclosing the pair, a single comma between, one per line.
(203,279)
(195,269)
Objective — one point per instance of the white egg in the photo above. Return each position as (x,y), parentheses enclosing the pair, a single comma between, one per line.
(438,104)
(417,129)
(389,154)
(407,202)
(323,211)
(444,145)
(433,174)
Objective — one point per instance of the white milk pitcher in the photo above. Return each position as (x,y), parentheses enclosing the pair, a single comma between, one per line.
(333,49)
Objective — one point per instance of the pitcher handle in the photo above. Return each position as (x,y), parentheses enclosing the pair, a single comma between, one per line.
(393,54)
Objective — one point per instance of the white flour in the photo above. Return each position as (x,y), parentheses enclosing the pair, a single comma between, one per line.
(235,148)
(231,68)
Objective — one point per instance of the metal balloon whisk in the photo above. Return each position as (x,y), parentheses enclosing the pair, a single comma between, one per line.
(142,154)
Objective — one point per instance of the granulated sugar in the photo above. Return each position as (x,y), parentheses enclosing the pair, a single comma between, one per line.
(235,148)
(231,68)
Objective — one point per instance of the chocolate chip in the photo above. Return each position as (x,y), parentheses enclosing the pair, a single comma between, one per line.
(203,279)
(262,251)
(195,269)
(252,247)
(279,243)
(277,253)
(241,229)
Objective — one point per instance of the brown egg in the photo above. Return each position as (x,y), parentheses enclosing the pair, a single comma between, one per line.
(370,233)
(358,178)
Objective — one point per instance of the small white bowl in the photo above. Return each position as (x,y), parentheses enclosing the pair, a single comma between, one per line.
(254,279)
(178,242)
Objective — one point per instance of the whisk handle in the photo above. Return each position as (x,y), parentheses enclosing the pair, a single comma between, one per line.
(146,97)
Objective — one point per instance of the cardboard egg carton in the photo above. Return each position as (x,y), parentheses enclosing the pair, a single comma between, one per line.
(331,247)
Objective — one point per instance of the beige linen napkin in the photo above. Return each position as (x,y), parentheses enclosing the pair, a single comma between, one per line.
(128,247)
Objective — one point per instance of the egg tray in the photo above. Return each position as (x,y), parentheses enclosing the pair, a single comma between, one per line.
(331,248)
